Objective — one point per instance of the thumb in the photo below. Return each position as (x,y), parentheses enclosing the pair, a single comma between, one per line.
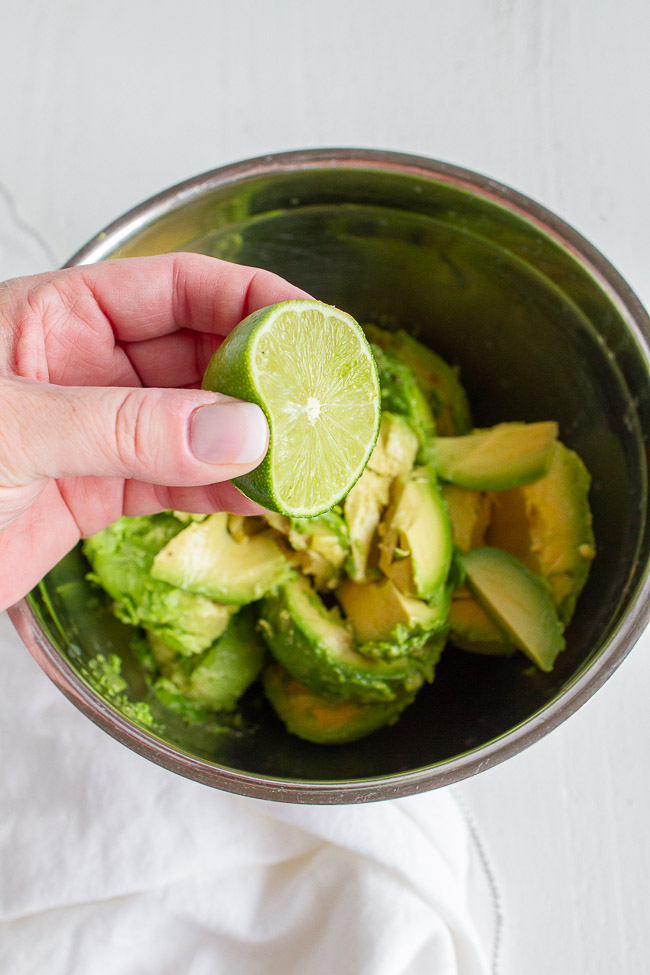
(174,437)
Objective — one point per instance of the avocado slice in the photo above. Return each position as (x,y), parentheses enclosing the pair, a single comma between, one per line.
(396,448)
(388,624)
(497,458)
(327,535)
(471,629)
(401,395)
(362,508)
(548,525)
(121,557)
(321,545)
(469,514)
(327,720)
(220,677)
(317,648)
(436,378)
(204,558)
(517,600)
(416,546)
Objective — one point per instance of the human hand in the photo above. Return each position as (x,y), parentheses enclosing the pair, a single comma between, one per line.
(84,438)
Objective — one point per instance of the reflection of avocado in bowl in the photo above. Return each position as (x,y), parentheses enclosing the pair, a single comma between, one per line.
(541,328)
(356,606)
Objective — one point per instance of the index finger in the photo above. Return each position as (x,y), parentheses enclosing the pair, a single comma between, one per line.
(144,297)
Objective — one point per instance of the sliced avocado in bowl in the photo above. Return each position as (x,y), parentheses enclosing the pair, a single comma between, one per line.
(327,720)
(517,600)
(317,648)
(386,623)
(224,672)
(416,545)
(497,458)
(396,448)
(363,508)
(547,524)
(469,515)
(471,629)
(438,381)
(401,395)
(121,557)
(204,558)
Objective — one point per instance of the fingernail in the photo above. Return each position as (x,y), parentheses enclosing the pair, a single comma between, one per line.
(229,433)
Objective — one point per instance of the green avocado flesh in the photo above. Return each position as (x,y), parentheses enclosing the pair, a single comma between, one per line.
(387,623)
(121,557)
(417,523)
(547,524)
(221,675)
(517,600)
(402,396)
(325,720)
(205,559)
(471,629)
(496,459)
(316,646)
(438,381)
(477,538)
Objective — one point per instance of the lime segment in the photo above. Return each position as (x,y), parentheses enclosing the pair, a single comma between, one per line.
(311,370)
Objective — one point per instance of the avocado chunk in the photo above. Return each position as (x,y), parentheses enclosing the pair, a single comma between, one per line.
(401,395)
(220,677)
(187,516)
(396,448)
(517,600)
(317,648)
(326,720)
(320,546)
(204,558)
(326,534)
(471,629)
(363,507)
(436,378)
(121,557)
(417,529)
(469,514)
(386,623)
(547,524)
(498,458)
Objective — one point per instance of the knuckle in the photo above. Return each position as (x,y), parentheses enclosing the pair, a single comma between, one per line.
(132,431)
(149,435)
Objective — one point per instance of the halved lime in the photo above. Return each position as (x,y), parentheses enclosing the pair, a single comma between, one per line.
(311,370)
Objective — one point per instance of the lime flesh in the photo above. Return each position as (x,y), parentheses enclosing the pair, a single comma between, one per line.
(311,370)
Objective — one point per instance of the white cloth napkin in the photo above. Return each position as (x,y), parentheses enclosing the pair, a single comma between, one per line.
(113,866)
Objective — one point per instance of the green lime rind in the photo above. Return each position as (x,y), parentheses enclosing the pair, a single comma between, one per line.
(232,371)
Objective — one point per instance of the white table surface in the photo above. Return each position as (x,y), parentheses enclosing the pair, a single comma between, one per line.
(104,103)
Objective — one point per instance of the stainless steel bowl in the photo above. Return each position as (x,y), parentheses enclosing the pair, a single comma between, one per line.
(542,327)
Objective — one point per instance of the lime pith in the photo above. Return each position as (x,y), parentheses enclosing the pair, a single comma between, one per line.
(311,370)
